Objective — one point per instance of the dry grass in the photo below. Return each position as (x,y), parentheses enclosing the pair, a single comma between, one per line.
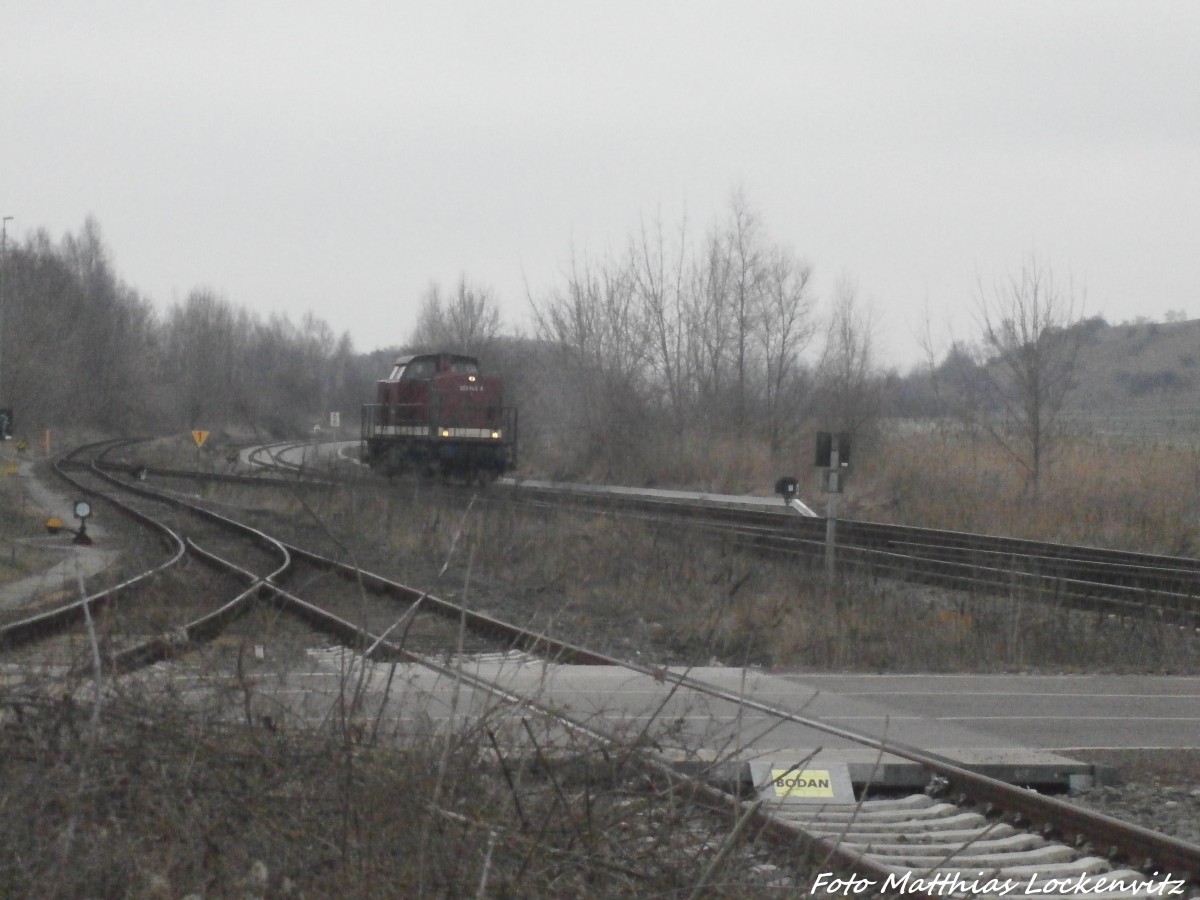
(146,796)
(22,527)
(149,795)
(668,593)
(1139,493)
(1096,491)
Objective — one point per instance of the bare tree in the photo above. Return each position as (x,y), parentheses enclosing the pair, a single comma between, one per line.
(708,317)
(849,382)
(66,306)
(658,278)
(745,284)
(600,345)
(466,322)
(705,337)
(1029,351)
(786,327)
(205,359)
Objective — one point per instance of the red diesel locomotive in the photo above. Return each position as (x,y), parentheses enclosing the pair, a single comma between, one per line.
(436,414)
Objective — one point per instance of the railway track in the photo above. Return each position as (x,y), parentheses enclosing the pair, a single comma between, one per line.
(976,832)
(253,565)
(1122,583)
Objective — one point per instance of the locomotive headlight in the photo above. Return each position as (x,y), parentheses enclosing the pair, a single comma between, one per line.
(445,432)
(471,378)
(495,435)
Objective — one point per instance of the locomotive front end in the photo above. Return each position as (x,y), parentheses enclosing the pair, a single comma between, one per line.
(437,414)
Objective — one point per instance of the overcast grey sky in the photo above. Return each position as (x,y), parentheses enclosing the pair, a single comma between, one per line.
(337,157)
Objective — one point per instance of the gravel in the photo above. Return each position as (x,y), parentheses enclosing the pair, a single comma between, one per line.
(1156,789)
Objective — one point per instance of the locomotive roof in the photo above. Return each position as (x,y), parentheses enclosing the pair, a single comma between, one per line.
(405,360)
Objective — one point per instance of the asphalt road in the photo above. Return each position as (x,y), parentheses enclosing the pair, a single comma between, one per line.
(1049,712)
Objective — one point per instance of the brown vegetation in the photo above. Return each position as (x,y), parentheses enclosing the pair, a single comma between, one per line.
(670,593)
(1123,493)
(156,799)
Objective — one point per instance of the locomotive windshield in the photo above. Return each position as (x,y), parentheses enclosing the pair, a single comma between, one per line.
(422,368)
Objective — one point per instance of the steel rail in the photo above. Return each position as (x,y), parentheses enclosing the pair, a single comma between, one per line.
(206,627)
(40,625)
(1116,582)
(351,636)
(1096,595)
(867,533)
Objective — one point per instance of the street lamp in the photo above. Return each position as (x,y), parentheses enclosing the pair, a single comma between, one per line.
(3,271)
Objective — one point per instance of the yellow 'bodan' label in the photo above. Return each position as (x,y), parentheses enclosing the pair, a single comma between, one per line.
(802,783)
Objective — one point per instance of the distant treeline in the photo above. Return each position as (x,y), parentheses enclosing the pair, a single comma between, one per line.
(81,348)
(681,358)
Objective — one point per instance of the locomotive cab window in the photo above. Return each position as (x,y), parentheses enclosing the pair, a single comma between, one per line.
(463,366)
(420,369)
(397,372)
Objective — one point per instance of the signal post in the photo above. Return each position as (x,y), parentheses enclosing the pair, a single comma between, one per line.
(833,458)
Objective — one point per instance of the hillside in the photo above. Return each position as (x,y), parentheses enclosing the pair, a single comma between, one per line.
(1140,375)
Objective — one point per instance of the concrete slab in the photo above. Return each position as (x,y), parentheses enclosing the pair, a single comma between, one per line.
(701,733)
